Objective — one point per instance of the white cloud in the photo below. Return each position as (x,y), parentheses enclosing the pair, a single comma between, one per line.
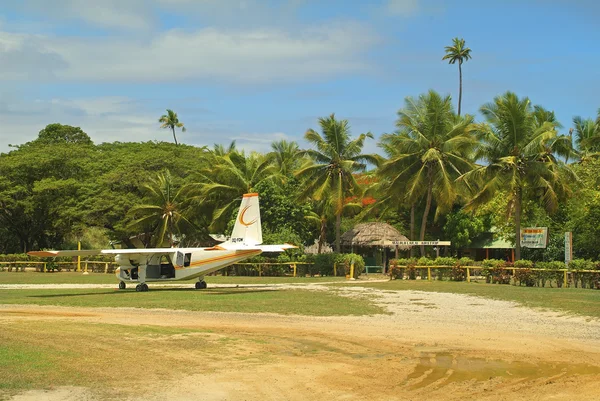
(402,7)
(116,118)
(250,56)
(121,14)
(144,15)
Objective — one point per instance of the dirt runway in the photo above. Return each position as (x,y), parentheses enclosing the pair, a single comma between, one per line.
(430,346)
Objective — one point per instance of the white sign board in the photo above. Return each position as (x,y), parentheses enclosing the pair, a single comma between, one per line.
(418,243)
(534,237)
(568,247)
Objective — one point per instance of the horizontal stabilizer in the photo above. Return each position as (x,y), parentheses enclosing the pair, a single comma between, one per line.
(263,248)
(276,248)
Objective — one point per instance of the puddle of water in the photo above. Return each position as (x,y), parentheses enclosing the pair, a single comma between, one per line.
(445,368)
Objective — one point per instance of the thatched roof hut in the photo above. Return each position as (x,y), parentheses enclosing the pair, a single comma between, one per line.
(373,234)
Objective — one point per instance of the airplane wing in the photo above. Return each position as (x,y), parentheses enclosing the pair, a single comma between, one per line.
(88,252)
(51,254)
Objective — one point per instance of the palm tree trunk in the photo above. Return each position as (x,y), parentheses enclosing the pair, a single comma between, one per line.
(338,228)
(412,226)
(460,85)
(175,138)
(322,235)
(426,212)
(518,200)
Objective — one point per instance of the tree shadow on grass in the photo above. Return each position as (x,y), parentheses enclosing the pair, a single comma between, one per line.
(205,292)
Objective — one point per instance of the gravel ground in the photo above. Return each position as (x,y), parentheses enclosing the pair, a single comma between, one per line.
(428,346)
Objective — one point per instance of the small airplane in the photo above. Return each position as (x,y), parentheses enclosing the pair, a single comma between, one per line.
(171,264)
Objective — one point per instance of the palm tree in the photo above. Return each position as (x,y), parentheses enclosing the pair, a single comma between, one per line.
(163,212)
(458,52)
(330,171)
(170,120)
(231,174)
(285,156)
(433,147)
(520,148)
(587,135)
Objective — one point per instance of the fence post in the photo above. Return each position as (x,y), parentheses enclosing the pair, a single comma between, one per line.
(351,270)
(468,275)
(335,269)
(44,267)
(565,279)
(106,268)
(86,265)
(294,270)
(79,256)
(259,271)
(428,273)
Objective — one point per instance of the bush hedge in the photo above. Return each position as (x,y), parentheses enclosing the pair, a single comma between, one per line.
(496,271)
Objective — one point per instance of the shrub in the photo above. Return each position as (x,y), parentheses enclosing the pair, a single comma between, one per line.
(465,261)
(458,274)
(525,276)
(444,261)
(523,263)
(581,277)
(346,260)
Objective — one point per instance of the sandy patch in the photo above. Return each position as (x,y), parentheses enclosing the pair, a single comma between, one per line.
(431,346)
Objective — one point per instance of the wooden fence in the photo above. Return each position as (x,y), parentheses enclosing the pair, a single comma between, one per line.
(566,273)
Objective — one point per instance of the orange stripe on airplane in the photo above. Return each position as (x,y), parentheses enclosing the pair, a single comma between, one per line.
(224,257)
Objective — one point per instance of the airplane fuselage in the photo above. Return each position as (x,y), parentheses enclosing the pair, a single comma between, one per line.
(180,264)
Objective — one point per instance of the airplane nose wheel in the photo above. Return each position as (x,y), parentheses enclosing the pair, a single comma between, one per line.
(201,285)
(122,285)
(141,287)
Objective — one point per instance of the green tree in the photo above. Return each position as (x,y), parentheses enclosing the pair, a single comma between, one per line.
(285,155)
(587,136)
(433,147)
(330,171)
(228,178)
(171,121)
(163,212)
(458,52)
(520,151)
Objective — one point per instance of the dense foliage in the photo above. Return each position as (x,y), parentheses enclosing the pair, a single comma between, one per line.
(514,170)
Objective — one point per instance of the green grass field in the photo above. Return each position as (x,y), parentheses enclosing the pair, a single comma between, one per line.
(583,302)
(101,278)
(250,300)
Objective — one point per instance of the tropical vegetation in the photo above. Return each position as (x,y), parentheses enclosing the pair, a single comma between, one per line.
(451,175)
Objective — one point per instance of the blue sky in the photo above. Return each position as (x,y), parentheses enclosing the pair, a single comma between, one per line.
(258,71)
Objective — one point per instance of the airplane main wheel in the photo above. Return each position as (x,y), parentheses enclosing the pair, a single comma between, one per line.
(122,285)
(201,285)
(144,287)
(138,287)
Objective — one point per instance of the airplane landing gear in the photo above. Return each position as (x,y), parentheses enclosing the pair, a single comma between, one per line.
(201,285)
(141,287)
(122,285)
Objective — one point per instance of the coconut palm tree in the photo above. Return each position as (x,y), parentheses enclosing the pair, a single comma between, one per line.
(164,212)
(171,121)
(587,135)
(285,155)
(458,52)
(433,147)
(330,171)
(520,149)
(230,176)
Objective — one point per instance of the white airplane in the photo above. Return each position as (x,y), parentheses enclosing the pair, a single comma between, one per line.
(171,264)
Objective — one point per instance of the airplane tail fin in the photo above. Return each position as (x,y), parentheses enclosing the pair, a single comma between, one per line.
(247,230)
